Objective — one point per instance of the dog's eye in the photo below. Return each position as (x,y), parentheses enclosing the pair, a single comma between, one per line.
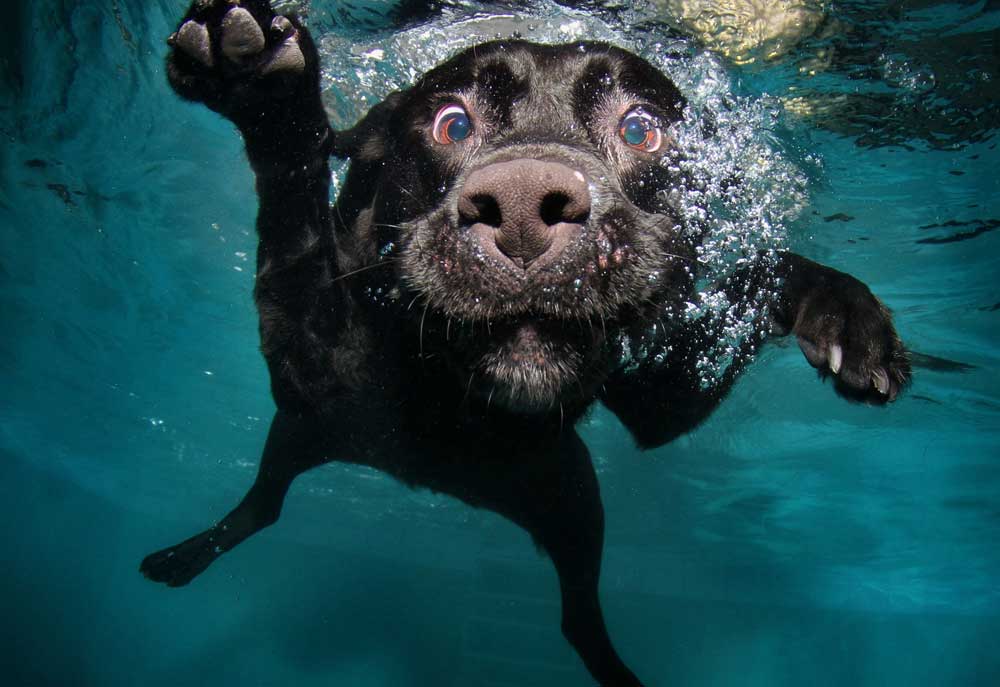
(641,130)
(451,125)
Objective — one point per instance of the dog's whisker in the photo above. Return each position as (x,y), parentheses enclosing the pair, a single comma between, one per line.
(340,216)
(422,318)
(422,203)
(679,257)
(382,263)
(468,387)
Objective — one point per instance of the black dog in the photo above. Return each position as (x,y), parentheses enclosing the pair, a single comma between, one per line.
(468,296)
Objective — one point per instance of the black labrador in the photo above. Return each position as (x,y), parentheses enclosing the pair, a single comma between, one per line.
(469,295)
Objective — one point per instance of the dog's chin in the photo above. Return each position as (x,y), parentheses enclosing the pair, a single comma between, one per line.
(532,367)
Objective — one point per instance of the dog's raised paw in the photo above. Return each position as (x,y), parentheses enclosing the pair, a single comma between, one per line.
(230,53)
(847,333)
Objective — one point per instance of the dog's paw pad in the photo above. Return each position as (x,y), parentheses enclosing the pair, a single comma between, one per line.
(281,28)
(242,37)
(287,58)
(192,39)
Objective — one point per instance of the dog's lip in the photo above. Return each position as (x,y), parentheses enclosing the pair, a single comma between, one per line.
(506,314)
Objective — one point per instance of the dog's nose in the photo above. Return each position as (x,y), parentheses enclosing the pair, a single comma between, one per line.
(530,208)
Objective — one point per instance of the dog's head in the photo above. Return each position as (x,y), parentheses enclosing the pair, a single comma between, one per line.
(518,192)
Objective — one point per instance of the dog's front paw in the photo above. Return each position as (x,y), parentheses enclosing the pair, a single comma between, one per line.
(235,55)
(846,332)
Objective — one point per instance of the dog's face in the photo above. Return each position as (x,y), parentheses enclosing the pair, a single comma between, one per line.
(520,192)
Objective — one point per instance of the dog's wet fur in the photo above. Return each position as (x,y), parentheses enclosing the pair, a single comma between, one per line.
(464,301)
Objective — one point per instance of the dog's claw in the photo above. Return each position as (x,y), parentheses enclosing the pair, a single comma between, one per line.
(881,381)
(836,358)
(241,35)
(192,39)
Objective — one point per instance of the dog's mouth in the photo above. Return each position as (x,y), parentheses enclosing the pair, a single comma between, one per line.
(532,340)
(520,284)
(529,364)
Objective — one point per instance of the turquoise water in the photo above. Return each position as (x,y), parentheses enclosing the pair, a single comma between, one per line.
(793,539)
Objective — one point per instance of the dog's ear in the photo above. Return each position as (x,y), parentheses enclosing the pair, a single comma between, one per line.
(365,141)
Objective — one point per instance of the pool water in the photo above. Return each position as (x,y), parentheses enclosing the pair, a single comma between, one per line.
(792,539)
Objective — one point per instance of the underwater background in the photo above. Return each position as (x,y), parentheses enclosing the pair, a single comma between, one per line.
(792,539)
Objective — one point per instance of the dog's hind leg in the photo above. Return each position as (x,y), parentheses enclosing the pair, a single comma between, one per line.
(572,532)
(293,446)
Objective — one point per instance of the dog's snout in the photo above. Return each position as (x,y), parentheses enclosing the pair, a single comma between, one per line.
(530,208)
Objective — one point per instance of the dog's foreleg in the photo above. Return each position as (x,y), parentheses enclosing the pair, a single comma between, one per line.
(293,446)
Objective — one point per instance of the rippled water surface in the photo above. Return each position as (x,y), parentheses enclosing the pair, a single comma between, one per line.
(793,539)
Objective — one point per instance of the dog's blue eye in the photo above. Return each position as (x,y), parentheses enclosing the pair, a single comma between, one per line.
(641,130)
(451,125)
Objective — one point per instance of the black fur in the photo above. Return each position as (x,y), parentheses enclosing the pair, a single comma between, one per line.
(398,335)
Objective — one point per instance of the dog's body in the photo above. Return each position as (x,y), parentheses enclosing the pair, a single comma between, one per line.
(498,237)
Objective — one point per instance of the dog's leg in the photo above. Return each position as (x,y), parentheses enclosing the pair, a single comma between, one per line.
(842,328)
(261,70)
(293,446)
(572,532)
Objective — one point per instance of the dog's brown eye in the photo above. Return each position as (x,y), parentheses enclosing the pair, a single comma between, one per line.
(451,125)
(641,131)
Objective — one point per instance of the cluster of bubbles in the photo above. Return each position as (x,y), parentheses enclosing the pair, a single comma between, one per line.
(740,189)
